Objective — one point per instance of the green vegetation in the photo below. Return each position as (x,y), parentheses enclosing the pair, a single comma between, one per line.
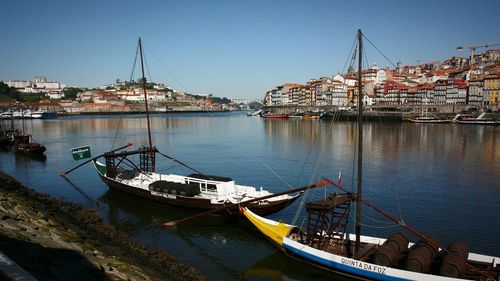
(70,93)
(8,93)
(223,100)
(255,105)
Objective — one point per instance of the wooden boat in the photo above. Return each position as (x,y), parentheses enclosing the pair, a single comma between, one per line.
(480,120)
(424,117)
(4,140)
(255,113)
(311,116)
(296,115)
(196,191)
(428,119)
(274,116)
(26,145)
(324,242)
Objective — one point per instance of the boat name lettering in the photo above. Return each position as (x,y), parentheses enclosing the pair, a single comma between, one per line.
(364,266)
(169,196)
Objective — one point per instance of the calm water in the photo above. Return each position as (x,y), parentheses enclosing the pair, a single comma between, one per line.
(442,179)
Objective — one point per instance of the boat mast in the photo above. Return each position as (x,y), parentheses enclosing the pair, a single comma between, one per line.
(360,143)
(147,109)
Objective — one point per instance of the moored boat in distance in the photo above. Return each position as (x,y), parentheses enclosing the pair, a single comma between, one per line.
(26,145)
(255,113)
(28,114)
(480,120)
(428,119)
(296,115)
(268,115)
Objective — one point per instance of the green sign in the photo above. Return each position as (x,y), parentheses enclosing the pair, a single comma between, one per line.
(81,152)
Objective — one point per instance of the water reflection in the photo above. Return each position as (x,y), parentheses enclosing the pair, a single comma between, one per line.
(277,266)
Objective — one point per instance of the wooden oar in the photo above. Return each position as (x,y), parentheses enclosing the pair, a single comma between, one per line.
(69,171)
(175,222)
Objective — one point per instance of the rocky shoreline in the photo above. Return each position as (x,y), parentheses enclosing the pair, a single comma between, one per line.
(56,240)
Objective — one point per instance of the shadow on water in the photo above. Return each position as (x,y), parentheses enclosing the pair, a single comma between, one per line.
(45,263)
(279,267)
(218,239)
(122,208)
(20,157)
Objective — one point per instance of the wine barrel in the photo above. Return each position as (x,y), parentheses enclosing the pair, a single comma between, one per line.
(460,248)
(400,241)
(419,260)
(433,250)
(386,255)
(453,265)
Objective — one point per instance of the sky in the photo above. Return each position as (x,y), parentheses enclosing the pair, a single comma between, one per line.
(233,48)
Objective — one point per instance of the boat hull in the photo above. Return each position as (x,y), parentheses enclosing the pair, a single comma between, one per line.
(279,234)
(428,120)
(196,203)
(275,116)
(477,122)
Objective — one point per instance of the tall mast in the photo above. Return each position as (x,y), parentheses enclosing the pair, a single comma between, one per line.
(360,143)
(147,109)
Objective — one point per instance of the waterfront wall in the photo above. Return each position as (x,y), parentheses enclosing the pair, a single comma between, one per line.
(401,109)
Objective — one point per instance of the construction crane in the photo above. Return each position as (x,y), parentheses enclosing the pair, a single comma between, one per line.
(473,48)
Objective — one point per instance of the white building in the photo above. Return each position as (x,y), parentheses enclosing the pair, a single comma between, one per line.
(19,84)
(55,95)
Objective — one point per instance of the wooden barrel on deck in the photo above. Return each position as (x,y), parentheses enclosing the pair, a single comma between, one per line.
(460,248)
(419,260)
(433,250)
(386,255)
(453,265)
(400,240)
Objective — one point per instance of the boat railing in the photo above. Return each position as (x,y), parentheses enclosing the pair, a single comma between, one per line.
(205,185)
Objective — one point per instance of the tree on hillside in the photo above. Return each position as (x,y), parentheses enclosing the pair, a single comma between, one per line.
(70,93)
(7,92)
(223,100)
(254,105)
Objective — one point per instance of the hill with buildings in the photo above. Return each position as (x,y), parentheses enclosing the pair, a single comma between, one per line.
(473,81)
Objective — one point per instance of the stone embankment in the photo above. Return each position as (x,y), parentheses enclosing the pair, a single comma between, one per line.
(56,240)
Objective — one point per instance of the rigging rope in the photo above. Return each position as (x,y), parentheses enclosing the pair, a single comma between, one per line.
(165,67)
(354,44)
(135,62)
(379,51)
(147,68)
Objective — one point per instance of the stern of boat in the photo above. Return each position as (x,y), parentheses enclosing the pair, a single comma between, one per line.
(100,168)
(273,230)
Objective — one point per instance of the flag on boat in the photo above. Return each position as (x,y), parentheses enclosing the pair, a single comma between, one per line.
(81,152)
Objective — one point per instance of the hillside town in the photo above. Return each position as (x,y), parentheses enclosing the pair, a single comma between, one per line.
(468,81)
(42,94)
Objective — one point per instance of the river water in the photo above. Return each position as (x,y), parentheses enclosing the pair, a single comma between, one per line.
(442,179)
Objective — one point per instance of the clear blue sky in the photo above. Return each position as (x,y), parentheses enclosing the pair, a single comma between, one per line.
(229,48)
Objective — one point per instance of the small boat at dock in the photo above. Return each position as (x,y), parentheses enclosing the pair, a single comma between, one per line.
(275,116)
(255,113)
(480,120)
(428,119)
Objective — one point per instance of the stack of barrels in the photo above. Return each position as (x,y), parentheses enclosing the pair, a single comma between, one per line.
(421,256)
(390,252)
(454,263)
